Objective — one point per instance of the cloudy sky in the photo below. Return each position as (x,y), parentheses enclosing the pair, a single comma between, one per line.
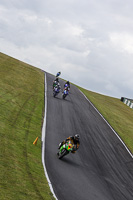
(89,41)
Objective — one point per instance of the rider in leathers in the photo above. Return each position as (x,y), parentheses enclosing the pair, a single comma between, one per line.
(58,74)
(56,84)
(67,83)
(75,140)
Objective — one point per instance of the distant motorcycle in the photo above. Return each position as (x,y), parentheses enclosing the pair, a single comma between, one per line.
(65,149)
(65,92)
(58,74)
(56,91)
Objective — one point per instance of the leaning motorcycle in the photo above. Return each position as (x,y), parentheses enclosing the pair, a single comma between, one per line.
(65,149)
(55,91)
(65,93)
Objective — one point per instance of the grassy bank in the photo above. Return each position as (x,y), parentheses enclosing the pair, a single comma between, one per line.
(21,115)
(119,115)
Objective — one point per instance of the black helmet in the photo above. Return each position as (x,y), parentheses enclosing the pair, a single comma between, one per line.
(77,137)
(67,82)
(57,79)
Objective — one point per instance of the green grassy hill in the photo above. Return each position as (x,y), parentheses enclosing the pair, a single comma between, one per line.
(22,108)
(21,115)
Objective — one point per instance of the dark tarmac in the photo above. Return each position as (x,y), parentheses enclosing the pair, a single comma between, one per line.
(101,169)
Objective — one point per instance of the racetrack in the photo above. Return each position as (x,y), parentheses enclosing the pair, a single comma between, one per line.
(101,169)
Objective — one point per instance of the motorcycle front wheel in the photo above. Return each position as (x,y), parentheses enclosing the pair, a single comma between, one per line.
(54,94)
(64,96)
(63,153)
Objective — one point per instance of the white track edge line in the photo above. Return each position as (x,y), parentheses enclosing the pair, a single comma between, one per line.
(43,142)
(108,124)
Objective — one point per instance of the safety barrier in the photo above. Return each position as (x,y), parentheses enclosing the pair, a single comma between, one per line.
(128,102)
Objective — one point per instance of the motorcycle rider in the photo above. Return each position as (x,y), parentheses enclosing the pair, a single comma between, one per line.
(67,84)
(74,140)
(56,84)
(58,74)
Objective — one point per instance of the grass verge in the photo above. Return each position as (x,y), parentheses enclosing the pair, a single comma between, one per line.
(21,115)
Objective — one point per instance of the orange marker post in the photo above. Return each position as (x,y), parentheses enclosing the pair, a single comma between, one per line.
(35,142)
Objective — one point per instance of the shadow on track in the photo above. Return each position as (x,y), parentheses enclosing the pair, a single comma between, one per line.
(68,161)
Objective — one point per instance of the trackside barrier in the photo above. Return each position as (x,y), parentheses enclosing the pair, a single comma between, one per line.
(128,102)
(125,101)
(131,105)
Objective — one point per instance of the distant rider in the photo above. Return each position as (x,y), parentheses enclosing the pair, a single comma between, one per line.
(75,140)
(58,74)
(56,84)
(67,86)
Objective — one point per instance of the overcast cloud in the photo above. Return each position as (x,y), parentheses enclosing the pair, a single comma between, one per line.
(89,41)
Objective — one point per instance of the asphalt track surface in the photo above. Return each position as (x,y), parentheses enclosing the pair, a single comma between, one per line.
(101,169)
